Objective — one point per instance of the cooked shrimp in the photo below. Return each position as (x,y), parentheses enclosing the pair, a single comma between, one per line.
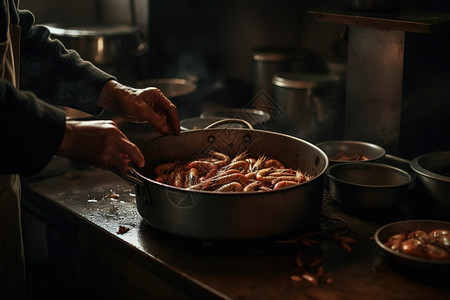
(254,186)
(222,159)
(273,163)
(240,157)
(165,168)
(216,171)
(230,187)
(283,184)
(192,177)
(259,163)
(241,166)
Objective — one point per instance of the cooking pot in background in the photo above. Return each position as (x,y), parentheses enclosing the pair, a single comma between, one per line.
(433,173)
(307,106)
(112,47)
(180,91)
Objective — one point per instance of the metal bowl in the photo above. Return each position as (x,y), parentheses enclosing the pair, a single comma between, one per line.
(368,185)
(386,231)
(433,173)
(353,148)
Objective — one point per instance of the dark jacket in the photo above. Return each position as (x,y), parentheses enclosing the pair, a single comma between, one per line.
(31,126)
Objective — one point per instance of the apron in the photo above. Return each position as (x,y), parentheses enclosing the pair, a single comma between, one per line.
(12,261)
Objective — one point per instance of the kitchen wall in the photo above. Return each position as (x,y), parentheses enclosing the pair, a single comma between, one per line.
(203,38)
(220,35)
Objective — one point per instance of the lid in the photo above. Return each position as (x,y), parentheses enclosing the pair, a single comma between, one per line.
(305,80)
(277,54)
(90,30)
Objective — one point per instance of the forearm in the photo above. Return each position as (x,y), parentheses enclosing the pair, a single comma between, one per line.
(32,131)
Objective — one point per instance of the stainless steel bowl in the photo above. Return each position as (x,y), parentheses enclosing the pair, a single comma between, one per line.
(433,174)
(352,148)
(368,185)
(386,231)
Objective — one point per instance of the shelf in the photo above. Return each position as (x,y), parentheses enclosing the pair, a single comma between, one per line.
(417,22)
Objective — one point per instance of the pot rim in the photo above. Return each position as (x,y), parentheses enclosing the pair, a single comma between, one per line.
(381,151)
(315,178)
(90,30)
(369,164)
(420,170)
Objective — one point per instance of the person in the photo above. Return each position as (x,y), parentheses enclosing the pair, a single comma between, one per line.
(34,128)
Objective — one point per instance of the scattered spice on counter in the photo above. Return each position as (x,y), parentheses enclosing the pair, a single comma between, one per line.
(122,230)
(112,196)
(344,241)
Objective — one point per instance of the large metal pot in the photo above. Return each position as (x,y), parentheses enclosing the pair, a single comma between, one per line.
(115,48)
(102,44)
(230,216)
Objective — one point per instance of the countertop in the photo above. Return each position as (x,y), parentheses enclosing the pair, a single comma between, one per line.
(98,203)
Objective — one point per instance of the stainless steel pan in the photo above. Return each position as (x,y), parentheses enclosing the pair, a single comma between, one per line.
(230,216)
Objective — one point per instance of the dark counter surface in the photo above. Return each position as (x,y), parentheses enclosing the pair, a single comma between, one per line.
(97,203)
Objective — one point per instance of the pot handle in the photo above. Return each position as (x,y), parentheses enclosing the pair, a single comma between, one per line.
(129,177)
(229,121)
(142,46)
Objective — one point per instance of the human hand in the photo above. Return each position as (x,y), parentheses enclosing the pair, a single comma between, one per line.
(99,143)
(141,105)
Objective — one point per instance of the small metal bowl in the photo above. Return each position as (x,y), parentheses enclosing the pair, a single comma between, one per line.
(368,185)
(433,173)
(352,148)
(386,231)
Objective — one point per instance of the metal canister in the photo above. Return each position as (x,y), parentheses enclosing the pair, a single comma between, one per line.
(269,60)
(307,106)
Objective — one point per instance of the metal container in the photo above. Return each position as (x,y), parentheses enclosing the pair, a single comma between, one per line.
(102,44)
(269,60)
(433,173)
(112,47)
(368,185)
(424,264)
(180,91)
(230,216)
(307,105)
(353,148)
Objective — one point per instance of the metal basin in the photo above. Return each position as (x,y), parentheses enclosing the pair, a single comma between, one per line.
(230,216)
(433,174)
(368,185)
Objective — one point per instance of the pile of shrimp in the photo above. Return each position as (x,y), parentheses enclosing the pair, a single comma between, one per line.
(216,171)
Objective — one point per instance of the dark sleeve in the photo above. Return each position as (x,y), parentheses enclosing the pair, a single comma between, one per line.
(31,131)
(57,75)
